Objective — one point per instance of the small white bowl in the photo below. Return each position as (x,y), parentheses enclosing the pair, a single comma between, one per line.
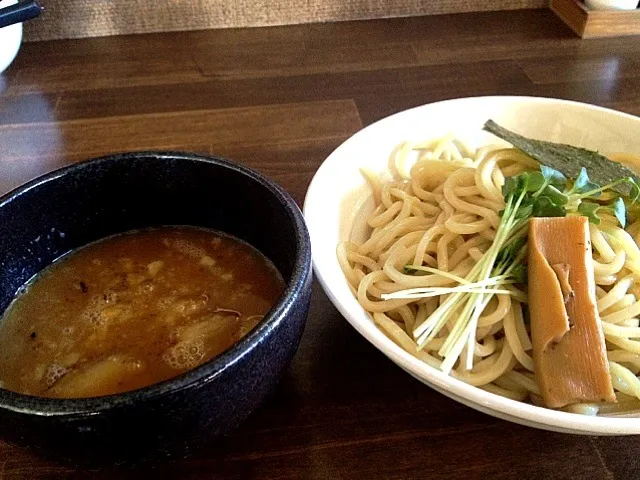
(612,4)
(338,192)
(10,39)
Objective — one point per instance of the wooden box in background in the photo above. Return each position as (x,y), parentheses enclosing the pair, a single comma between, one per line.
(597,23)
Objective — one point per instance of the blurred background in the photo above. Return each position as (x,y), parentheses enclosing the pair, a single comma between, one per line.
(91,18)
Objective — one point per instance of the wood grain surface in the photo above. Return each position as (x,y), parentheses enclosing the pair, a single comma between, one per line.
(280,100)
(93,18)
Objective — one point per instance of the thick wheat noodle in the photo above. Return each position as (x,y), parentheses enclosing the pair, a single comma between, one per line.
(408,241)
(385,216)
(442,253)
(462,175)
(465,224)
(630,322)
(606,281)
(600,244)
(503,363)
(526,382)
(621,331)
(632,360)
(487,348)
(463,250)
(442,212)
(391,231)
(616,293)
(485,364)
(622,314)
(505,383)
(503,306)
(503,392)
(354,256)
(430,234)
(521,329)
(607,269)
(386,238)
(511,334)
(626,300)
(491,330)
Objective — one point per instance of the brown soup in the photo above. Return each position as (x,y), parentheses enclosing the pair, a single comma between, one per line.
(133,310)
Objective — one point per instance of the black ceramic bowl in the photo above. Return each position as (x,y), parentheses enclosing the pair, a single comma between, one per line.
(79,204)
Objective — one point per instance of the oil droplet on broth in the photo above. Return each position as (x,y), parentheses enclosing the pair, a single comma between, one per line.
(185,355)
(54,373)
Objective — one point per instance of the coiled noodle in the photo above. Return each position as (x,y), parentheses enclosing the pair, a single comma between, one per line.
(442,211)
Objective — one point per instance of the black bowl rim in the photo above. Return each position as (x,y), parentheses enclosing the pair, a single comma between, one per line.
(210,370)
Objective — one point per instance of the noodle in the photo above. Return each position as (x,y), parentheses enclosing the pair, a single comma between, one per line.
(441,212)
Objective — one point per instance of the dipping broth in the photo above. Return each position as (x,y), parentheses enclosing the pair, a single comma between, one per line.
(133,310)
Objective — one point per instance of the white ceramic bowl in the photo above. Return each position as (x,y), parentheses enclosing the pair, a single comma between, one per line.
(10,39)
(338,192)
(611,4)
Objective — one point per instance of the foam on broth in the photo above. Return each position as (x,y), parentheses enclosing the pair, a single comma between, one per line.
(133,310)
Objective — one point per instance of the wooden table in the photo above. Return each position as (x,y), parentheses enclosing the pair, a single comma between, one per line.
(280,100)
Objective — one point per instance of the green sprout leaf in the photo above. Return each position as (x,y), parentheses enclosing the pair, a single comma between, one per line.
(634,189)
(555,195)
(584,185)
(590,210)
(553,177)
(620,211)
(408,270)
(568,159)
(546,207)
(533,181)
(509,252)
(519,273)
(511,186)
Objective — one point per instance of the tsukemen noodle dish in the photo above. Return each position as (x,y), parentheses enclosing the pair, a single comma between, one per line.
(513,267)
(133,310)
